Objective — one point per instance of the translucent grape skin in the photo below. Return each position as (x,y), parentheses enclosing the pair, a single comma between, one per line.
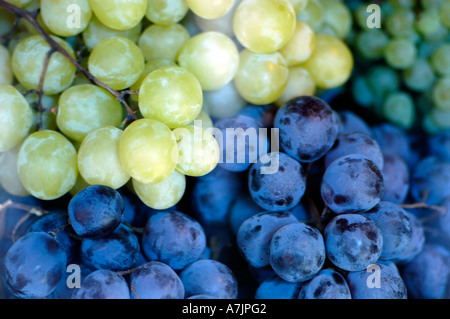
(96,211)
(15,119)
(85,108)
(355,143)
(128,66)
(353,242)
(392,285)
(117,251)
(300,46)
(148,151)
(276,288)
(34,265)
(280,191)
(119,14)
(300,83)
(264,26)
(9,176)
(171,95)
(297,252)
(162,228)
(352,184)
(328,284)
(103,284)
(308,128)
(209,277)
(47,165)
(156,280)
(255,233)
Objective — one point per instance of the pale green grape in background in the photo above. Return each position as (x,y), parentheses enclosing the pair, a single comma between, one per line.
(223,24)
(300,46)
(47,165)
(204,119)
(212,57)
(163,42)
(6,21)
(441,118)
(338,17)
(119,14)
(210,9)
(6,75)
(162,195)
(9,176)
(57,16)
(264,26)
(312,14)
(223,102)
(28,61)
(428,21)
(401,22)
(441,94)
(299,83)
(198,149)
(400,53)
(98,158)
(96,31)
(444,12)
(331,63)
(171,95)
(440,60)
(298,5)
(148,151)
(261,78)
(420,76)
(15,117)
(166,12)
(117,62)
(370,43)
(399,109)
(85,108)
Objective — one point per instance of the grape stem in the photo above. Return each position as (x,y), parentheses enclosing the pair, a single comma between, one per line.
(56,47)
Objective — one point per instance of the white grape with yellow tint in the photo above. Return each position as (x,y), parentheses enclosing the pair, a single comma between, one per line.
(6,75)
(47,165)
(119,14)
(148,151)
(171,95)
(85,108)
(210,9)
(299,83)
(212,57)
(300,46)
(99,160)
(162,195)
(9,176)
(15,117)
(166,12)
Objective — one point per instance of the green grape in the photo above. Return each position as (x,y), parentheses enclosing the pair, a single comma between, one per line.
(198,149)
(9,176)
(166,12)
(299,83)
(164,194)
(420,76)
(403,3)
(338,16)
(400,53)
(148,151)
(382,80)
(28,61)
(370,43)
(117,62)
(98,158)
(362,92)
(441,94)
(47,165)
(426,49)
(428,22)
(223,24)
(400,23)
(66,18)
(440,35)
(298,5)
(441,118)
(171,95)
(119,14)
(85,108)
(45,120)
(19,3)
(6,22)
(429,126)
(361,15)
(212,57)
(444,12)
(312,14)
(440,60)
(331,63)
(431,3)
(210,9)
(6,75)
(163,42)
(203,120)
(301,45)
(223,102)
(264,26)
(80,184)
(261,78)
(399,109)
(97,31)
(15,117)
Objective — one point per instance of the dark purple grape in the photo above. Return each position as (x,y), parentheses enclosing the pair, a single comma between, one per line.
(351,122)
(276,288)
(392,140)
(103,284)
(439,145)
(328,284)
(396,179)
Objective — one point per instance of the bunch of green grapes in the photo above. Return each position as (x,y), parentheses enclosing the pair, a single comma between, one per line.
(403,67)
(161,72)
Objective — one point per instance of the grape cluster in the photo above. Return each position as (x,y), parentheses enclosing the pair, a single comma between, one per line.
(402,66)
(192,149)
